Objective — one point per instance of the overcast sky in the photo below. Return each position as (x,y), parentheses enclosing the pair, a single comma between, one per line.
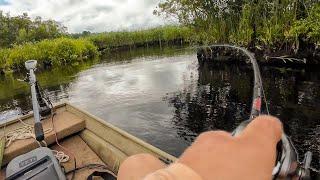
(92,15)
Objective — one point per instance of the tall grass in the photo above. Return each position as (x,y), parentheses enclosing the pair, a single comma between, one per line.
(59,51)
(159,36)
(64,50)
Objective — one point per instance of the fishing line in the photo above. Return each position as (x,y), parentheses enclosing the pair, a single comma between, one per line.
(265,101)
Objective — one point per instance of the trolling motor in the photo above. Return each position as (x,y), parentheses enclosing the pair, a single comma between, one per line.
(44,104)
(287,165)
(40,163)
(38,130)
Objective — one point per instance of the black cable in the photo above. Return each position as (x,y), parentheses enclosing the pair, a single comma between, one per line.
(91,166)
(45,95)
(74,157)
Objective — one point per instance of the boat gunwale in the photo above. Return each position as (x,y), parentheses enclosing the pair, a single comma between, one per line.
(123,133)
(77,111)
(16,119)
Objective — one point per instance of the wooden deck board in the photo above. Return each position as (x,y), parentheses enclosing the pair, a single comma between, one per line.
(65,123)
(84,155)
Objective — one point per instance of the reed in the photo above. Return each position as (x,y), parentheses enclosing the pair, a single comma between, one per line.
(156,36)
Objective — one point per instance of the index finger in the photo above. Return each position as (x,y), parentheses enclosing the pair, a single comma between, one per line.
(263,128)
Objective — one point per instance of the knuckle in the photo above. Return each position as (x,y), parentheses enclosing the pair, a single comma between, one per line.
(213,136)
(269,122)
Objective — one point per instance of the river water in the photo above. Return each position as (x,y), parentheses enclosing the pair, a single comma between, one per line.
(163,97)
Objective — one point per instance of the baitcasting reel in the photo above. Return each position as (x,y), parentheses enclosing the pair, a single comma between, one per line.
(287,165)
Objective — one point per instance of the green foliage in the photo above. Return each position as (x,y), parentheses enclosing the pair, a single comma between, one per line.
(308,27)
(70,51)
(243,35)
(271,34)
(3,56)
(66,51)
(21,53)
(59,51)
(160,35)
(270,23)
(21,29)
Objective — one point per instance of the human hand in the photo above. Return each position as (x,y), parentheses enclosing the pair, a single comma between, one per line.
(216,155)
(251,155)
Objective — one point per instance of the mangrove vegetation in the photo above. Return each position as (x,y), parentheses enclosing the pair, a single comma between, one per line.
(272,25)
(286,27)
(21,29)
(166,35)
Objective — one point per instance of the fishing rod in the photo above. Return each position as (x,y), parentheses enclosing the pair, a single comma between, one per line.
(257,88)
(287,165)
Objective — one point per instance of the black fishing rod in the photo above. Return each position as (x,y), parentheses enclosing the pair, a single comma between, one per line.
(287,165)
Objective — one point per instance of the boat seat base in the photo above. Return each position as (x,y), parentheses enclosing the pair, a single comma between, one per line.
(80,150)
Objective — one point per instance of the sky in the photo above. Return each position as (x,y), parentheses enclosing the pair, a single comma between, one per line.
(90,15)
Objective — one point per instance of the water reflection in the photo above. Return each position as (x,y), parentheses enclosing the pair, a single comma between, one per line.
(221,99)
(218,100)
(163,97)
(129,95)
(15,95)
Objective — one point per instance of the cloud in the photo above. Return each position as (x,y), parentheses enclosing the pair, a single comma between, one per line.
(92,15)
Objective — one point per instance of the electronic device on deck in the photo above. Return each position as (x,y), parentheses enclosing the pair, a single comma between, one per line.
(39,164)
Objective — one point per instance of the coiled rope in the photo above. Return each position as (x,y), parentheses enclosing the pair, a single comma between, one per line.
(27,132)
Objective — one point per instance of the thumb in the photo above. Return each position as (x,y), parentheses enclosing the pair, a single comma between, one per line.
(263,128)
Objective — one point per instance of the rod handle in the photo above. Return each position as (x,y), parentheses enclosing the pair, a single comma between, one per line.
(38,130)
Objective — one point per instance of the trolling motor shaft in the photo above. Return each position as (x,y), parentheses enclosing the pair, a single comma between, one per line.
(38,129)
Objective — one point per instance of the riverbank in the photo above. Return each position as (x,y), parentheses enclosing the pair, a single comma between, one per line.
(222,54)
(56,52)
(160,36)
(70,50)
(270,30)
